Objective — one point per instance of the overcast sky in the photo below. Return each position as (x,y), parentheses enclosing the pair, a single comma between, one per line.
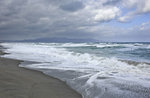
(104,20)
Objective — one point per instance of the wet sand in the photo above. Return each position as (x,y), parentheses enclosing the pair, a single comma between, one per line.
(16,82)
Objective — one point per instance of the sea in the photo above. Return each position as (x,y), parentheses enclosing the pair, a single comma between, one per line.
(95,70)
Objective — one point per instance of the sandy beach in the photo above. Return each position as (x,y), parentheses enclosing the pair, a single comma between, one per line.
(16,82)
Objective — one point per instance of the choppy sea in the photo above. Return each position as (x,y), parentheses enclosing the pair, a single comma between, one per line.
(96,70)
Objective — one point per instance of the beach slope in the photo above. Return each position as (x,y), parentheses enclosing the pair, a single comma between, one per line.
(16,82)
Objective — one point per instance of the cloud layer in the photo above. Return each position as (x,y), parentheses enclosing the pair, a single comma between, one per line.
(93,19)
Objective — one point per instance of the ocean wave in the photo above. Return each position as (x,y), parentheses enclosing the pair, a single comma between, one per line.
(61,57)
(92,75)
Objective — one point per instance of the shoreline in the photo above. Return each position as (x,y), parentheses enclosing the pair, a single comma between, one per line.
(18,82)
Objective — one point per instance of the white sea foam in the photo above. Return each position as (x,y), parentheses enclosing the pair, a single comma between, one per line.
(148,47)
(94,72)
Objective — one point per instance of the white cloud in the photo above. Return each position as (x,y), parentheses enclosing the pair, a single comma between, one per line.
(145,26)
(145,7)
(107,14)
(130,3)
(139,6)
(126,18)
(142,6)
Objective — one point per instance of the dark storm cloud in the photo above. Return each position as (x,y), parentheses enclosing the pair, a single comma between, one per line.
(34,19)
(73,6)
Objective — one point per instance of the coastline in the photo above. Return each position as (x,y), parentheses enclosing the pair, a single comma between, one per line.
(18,82)
(89,74)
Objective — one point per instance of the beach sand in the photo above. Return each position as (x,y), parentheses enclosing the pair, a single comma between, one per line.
(16,82)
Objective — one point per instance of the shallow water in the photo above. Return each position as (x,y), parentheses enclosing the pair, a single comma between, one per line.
(96,70)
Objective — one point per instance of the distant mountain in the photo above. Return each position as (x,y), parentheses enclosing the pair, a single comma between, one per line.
(58,40)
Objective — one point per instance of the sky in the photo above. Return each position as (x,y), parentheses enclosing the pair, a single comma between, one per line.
(102,20)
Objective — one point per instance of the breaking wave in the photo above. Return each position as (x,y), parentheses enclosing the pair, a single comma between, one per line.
(94,76)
